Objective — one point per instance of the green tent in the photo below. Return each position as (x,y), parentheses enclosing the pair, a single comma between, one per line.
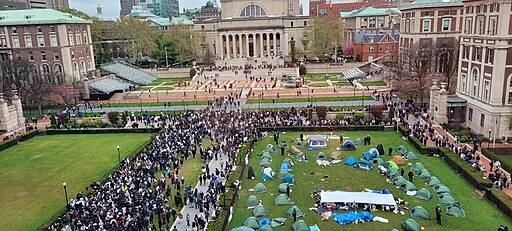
(260,188)
(265,162)
(423,194)
(266,155)
(300,225)
(260,211)
(424,174)
(392,165)
(299,212)
(320,156)
(417,167)
(282,187)
(401,149)
(455,210)
(282,199)
(433,181)
(288,161)
(399,180)
(276,222)
(441,189)
(408,186)
(393,173)
(410,156)
(242,228)
(266,227)
(299,144)
(270,148)
(446,198)
(419,212)
(336,155)
(282,173)
(411,225)
(252,222)
(358,141)
(251,202)
(377,161)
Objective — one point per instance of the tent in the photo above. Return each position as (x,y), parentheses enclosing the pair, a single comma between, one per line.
(260,211)
(267,174)
(266,155)
(317,142)
(399,181)
(295,150)
(367,156)
(250,173)
(423,194)
(299,212)
(348,146)
(301,156)
(260,188)
(411,225)
(336,155)
(351,161)
(299,144)
(285,166)
(265,162)
(267,227)
(410,156)
(455,210)
(374,152)
(282,199)
(242,228)
(446,198)
(276,222)
(408,186)
(264,221)
(417,167)
(398,160)
(365,165)
(282,173)
(380,148)
(288,178)
(393,173)
(252,222)
(401,149)
(419,212)
(424,174)
(251,202)
(377,161)
(288,161)
(441,189)
(433,181)
(358,197)
(392,164)
(283,144)
(300,225)
(358,141)
(320,156)
(282,188)
(270,148)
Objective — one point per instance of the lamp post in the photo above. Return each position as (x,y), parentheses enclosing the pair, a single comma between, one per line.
(140,103)
(157,100)
(118,156)
(363,99)
(184,104)
(489,142)
(66,193)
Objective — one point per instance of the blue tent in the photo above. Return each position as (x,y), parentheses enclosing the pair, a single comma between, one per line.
(351,161)
(264,221)
(288,179)
(374,152)
(367,156)
(285,166)
(267,174)
(365,165)
(348,146)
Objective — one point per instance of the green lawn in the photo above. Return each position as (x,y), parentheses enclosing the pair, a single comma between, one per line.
(155,104)
(506,159)
(318,84)
(321,76)
(341,84)
(321,99)
(374,83)
(169,81)
(32,173)
(480,213)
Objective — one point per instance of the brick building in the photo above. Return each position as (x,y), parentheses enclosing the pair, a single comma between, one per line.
(57,45)
(208,11)
(370,20)
(379,46)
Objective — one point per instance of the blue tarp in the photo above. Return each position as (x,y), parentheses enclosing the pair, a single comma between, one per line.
(264,221)
(368,156)
(348,146)
(351,217)
(383,191)
(365,165)
(285,166)
(351,161)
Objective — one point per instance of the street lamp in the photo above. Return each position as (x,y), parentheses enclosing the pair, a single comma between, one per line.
(66,193)
(118,156)
(489,142)
(140,103)
(184,104)
(363,99)
(157,100)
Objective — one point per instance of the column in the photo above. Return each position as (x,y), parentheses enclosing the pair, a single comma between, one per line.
(247,44)
(274,37)
(235,50)
(282,43)
(221,45)
(228,46)
(240,50)
(217,47)
(268,44)
(285,47)
(262,54)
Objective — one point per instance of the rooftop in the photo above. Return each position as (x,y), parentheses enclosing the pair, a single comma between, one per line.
(181,20)
(38,16)
(369,11)
(430,3)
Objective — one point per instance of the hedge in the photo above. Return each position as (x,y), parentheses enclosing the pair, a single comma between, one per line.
(9,143)
(101,131)
(501,200)
(493,156)
(324,128)
(422,148)
(473,176)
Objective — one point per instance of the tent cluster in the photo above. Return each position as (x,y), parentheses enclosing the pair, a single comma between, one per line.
(253,223)
(348,145)
(408,155)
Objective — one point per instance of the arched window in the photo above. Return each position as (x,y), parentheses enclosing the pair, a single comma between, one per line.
(474,89)
(252,11)
(57,69)
(33,73)
(89,67)
(45,71)
(82,69)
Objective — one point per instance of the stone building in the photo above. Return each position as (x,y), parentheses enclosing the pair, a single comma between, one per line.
(11,114)
(370,20)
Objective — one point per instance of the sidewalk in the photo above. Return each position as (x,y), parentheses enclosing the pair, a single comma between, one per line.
(486,161)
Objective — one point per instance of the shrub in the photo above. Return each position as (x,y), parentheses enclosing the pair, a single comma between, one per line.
(340,116)
(112,117)
(63,118)
(321,111)
(501,200)
(376,111)
(53,121)
(359,115)
(124,118)
(469,173)
(302,70)
(193,72)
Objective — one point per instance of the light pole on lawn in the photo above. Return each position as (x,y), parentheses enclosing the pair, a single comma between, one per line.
(363,99)
(184,104)
(489,142)
(118,155)
(140,103)
(66,193)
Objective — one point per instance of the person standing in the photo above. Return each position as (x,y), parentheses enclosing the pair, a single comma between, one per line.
(288,190)
(438,214)
(402,171)
(410,174)
(294,214)
(188,219)
(390,151)
(282,150)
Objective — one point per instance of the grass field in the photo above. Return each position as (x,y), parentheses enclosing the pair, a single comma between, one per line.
(318,84)
(314,99)
(480,213)
(169,81)
(155,104)
(321,76)
(341,83)
(374,83)
(32,173)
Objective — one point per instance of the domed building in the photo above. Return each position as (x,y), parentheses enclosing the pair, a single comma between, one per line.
(208,11)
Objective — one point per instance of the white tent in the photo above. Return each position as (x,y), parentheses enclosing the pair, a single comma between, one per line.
(358,197)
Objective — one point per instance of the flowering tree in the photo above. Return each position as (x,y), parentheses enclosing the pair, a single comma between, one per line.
(348,50)
(63,94)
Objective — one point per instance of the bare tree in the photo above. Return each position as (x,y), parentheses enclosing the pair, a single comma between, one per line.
(447,54)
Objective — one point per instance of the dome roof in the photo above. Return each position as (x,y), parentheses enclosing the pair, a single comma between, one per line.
(209,3)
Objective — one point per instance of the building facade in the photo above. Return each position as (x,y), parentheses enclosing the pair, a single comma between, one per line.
(33,4)
(333,8)
(13,5)
(11,114)
(249,29)
(370,20)
(169,8)
(56,45)
(485,66)
(208,11)
(126,7)
(379,46)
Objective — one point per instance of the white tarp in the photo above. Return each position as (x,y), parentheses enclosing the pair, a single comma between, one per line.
(358,197)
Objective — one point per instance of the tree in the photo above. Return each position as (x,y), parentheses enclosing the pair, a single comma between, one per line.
(302,70)
(136,34)
(376,111)
(321,112)
(76,13)
(178,45)
(113,116)
(447,54)
(348,50)
(326,34)
(65,94)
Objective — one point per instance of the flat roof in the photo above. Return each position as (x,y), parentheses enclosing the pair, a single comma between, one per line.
(38,16)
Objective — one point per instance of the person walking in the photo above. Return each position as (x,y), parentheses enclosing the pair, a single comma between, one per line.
(390,151)
(438,214)
(402,171)
(294,214)
(188,219)
(410,174)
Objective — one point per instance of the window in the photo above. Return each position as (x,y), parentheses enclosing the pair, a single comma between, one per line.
(71,40)
(364,22)
(381,22)
(17,55)
(80,53)
(470,114)
(446,24)
(43,55)
(372,22)
(78,39)
(487,89)
(26,30)
(465,51)
(468,26)
(39,29)
(55,55)
(426,26)
(464,84)
(3,42)
(28,41)
(474,90)
(73,54)
(2,31)
(489,58)
(40,41)
(253,11)
(52,28)
(291,24)
(478,54)
(482,119)
(30,56)
(480,26)
(15,42)
(14,30)
(53,40)
(370,48)
(492,27)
